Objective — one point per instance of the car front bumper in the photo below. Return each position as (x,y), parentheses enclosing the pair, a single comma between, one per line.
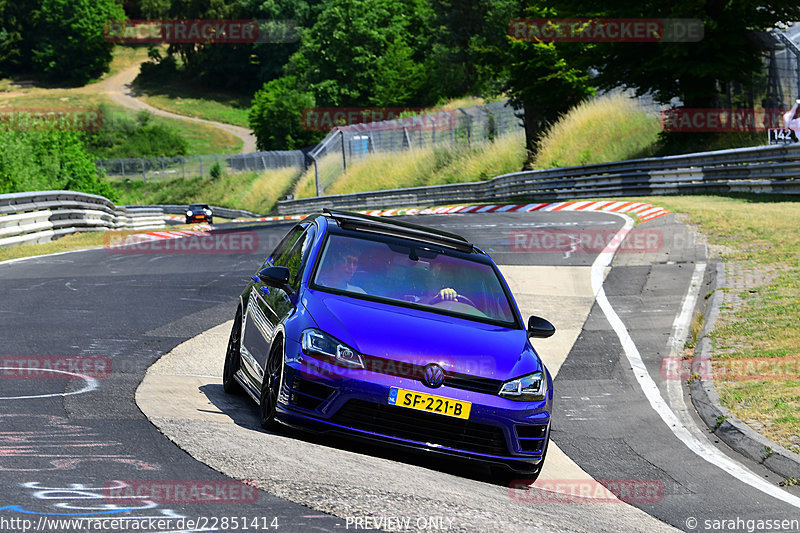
(324,397)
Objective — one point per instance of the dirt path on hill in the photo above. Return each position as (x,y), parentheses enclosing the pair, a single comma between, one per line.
(119,88)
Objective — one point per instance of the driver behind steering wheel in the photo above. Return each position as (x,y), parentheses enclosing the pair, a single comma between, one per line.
(438,278)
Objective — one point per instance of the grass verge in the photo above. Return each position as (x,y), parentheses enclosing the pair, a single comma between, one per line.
(413,168)
(757,238)
(253,191)
(606,129)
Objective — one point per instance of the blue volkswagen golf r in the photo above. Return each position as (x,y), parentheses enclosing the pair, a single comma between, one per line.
(396,333)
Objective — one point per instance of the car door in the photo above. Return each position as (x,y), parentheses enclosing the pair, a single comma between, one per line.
(269,306)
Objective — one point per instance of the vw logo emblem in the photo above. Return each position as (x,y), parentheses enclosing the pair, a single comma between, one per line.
(433,376)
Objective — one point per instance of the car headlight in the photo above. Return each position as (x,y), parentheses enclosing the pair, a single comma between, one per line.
(317,342)
(188,213)
(208,211)
(530,388)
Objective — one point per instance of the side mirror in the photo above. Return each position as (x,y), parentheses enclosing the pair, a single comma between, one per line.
(539,327)
(275,276)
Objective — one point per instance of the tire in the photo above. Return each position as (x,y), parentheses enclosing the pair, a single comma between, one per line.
(270,387)
(233,357)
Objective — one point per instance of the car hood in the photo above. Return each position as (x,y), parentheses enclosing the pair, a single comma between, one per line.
(419,337)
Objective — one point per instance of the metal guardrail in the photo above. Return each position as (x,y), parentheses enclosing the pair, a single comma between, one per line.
(36,217)
(764,169)
(180,209)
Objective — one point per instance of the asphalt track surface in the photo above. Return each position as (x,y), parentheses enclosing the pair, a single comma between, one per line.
(66,443)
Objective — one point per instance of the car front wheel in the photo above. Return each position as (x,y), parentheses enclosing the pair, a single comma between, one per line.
(233,357)
(270,386)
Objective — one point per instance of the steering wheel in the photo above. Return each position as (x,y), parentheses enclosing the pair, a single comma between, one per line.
(461,299)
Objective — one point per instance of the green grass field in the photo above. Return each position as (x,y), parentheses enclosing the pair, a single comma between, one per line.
(186,100)
(201,138)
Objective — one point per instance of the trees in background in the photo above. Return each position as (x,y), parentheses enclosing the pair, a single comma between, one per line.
(61,41)
(694,72)
(397,53)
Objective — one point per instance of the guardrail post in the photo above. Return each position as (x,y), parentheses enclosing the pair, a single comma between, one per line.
(316,174)
(144,176)
(183,168)
(502,125)
(469,132)
(201,165)
(406,137)
(344,161)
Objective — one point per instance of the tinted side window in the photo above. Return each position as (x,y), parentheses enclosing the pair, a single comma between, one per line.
(296,257)
(284,249)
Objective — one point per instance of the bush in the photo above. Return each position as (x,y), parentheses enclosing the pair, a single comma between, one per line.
(276,116)
(48,160)
(216,171)
(124,136)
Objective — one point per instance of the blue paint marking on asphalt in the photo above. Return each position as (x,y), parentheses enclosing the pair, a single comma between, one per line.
(19,509)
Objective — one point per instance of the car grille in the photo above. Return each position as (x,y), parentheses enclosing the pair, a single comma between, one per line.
(413,371)
(422,427)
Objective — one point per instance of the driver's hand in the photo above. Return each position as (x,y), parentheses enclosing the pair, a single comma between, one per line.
(448,294)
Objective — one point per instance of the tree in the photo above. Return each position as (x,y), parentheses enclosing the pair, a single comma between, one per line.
(340,57)
(541,79)
(691,71)
(239,67)
(16,22)
(70,45)
(276,116)
(459,25)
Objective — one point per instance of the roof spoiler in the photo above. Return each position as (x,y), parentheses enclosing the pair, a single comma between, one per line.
(372,224)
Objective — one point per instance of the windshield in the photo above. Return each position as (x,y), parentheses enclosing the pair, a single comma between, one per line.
(413,275)
(198,206)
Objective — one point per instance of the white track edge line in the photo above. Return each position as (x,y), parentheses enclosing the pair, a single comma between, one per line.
(703,450)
